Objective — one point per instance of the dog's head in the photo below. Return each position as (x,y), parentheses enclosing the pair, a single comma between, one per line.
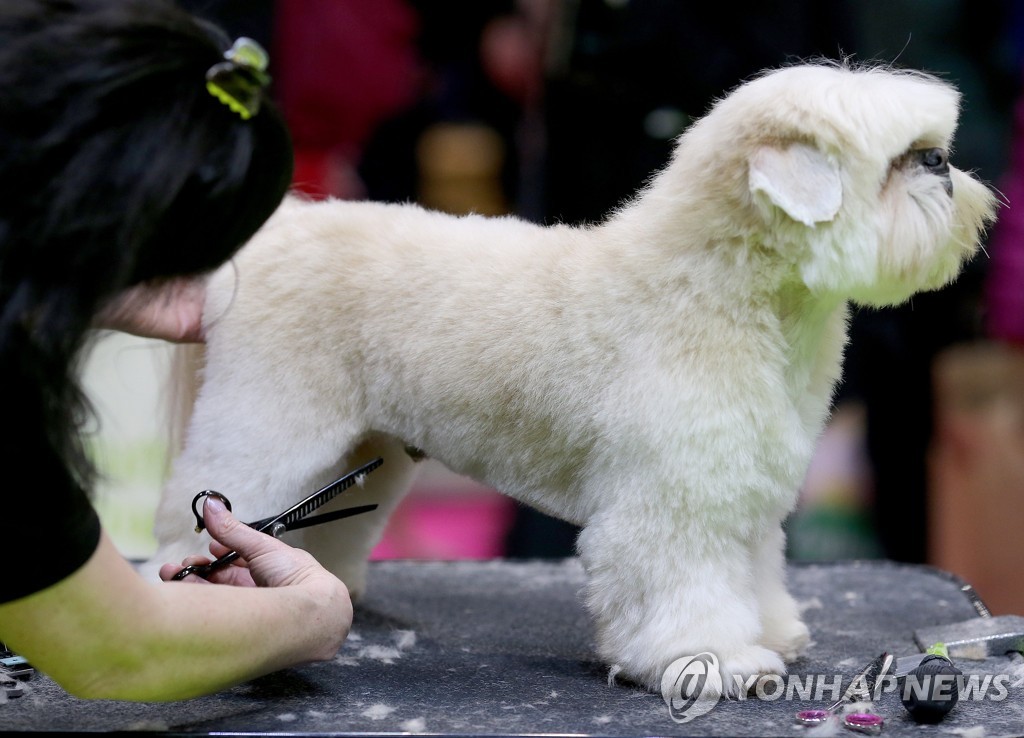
(844,172)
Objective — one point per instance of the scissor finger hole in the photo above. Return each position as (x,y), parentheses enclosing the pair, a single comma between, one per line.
(200,523)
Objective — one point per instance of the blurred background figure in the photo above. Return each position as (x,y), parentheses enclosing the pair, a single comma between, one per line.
(559,110)
(976,464)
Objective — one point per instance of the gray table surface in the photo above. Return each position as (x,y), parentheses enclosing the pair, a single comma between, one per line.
(505,649)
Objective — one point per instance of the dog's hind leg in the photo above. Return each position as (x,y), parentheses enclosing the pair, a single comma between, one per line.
(263,445)
(343,547)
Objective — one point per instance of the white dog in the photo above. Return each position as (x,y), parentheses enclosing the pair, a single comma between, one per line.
(659,379)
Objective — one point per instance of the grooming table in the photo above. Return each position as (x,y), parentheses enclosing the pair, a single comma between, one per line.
(498,648)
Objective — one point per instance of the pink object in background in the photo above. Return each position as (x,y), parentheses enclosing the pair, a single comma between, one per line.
(447,517)
(1005,288)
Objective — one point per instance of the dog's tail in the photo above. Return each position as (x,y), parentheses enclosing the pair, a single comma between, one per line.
(184,377)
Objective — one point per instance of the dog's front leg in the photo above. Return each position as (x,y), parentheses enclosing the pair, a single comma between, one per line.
(783,630)
(664,584)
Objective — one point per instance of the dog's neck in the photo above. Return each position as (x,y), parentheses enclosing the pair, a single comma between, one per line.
(735,276)
(815,332)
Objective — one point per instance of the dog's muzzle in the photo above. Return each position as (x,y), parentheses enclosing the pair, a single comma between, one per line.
(936,161)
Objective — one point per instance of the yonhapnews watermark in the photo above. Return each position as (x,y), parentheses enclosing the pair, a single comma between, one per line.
(692,686)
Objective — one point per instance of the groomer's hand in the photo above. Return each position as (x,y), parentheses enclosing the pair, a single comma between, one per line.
(265,561)
(289,580)
(169,309)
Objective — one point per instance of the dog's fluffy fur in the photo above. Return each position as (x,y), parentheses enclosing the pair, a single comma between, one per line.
(659,379)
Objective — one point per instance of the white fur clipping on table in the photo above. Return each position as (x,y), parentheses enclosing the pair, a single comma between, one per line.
(659,379)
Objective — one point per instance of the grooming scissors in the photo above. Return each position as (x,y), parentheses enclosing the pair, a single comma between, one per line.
(861,688)
(290,519)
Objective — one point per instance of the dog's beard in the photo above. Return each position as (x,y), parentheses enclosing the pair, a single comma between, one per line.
(920,250)
(922,237)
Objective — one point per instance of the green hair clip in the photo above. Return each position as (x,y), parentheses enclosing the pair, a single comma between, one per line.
(239,81)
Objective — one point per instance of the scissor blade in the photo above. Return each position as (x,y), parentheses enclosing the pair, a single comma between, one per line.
(348,512)
(296,512)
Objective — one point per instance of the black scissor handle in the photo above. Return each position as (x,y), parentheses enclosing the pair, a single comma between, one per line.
(199,570)
(200,523)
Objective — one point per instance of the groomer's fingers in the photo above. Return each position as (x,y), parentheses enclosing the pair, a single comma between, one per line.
(195,560)
(219,549)
(169,571)
(233,574)
(232,534)
(237,576)
(272,563)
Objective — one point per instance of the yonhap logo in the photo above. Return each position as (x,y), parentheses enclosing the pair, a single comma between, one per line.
(691,686)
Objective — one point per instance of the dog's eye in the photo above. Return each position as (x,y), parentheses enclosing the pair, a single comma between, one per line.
(933,158)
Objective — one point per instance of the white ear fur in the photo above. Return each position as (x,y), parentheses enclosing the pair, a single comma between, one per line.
(798,179)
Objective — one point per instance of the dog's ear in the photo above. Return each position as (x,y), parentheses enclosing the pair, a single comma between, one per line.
(798,179)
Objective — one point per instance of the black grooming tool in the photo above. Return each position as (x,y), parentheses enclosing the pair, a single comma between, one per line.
(293,518)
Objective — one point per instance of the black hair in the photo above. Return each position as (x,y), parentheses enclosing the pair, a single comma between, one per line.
(116,167)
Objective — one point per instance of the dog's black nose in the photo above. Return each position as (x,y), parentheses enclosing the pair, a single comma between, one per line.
(936,161)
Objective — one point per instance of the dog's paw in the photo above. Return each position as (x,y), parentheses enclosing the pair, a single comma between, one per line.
(742,668)
(788,638)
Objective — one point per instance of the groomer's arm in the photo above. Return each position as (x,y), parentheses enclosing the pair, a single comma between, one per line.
(106,633)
